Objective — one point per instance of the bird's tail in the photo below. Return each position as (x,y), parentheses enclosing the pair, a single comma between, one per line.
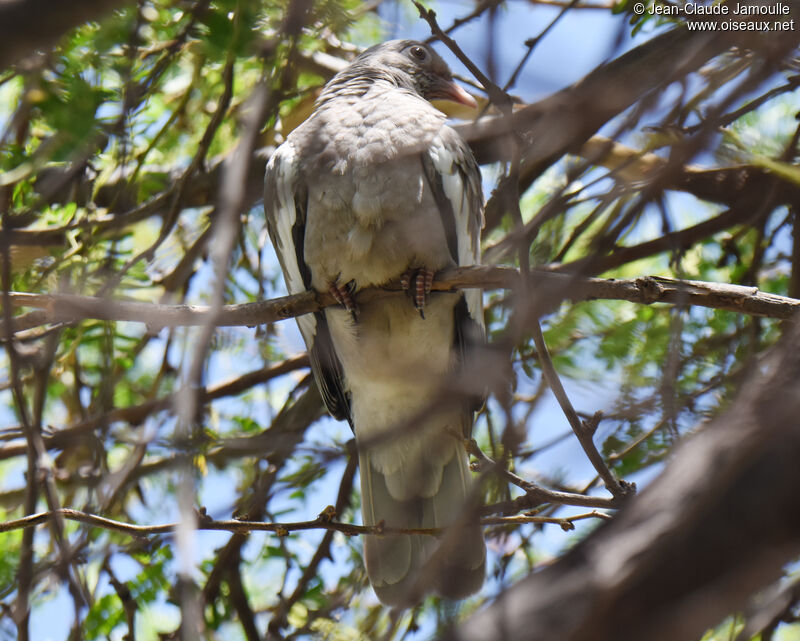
(402,567)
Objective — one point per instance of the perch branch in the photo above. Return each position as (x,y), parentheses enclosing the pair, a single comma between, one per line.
(65,308)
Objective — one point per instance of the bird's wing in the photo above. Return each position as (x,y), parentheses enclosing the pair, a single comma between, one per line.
(285,204)
(455,180)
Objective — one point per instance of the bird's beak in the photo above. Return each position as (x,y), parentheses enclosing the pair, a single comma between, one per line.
(449,90)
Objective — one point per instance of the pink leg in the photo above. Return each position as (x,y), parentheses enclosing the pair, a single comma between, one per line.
(418,283)
(343,294)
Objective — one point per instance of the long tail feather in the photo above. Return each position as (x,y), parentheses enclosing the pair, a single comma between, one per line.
(402,567)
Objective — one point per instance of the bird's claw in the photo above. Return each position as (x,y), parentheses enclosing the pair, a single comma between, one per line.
(343,294)
(418,283)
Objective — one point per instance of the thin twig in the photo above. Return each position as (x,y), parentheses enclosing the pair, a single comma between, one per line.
(584,430)
(535,494)
(480,9)
(499,97)
(531,43)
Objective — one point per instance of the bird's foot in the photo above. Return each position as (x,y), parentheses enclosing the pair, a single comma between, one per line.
(343,294)
(418,282)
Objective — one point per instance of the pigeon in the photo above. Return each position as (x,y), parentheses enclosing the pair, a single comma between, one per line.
(375,187)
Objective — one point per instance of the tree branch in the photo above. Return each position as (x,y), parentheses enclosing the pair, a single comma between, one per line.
(68,308)
(691,547)
(535,495)
(323,522)
(583,430)
(28,25)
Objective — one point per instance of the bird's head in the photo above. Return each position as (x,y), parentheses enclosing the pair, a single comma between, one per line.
(414,66)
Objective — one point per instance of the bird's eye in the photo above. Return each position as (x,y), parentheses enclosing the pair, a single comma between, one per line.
(419,53)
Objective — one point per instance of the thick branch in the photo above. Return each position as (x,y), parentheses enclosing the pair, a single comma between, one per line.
(30,25)
(741,186)
(717,525)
